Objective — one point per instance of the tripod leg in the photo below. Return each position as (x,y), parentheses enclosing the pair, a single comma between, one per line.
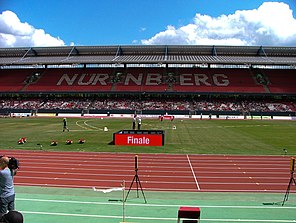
(294,181)
(142,190)
(288,191)
(130,188)
(137,184)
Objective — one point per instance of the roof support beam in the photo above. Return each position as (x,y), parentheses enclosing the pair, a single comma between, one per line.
(70,53)
(29,50)
(261,52)
(73,49)
(119,51)
(214,52)
(166,53)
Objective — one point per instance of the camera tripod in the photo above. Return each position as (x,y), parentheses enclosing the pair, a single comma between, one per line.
(292,180)
(138,182)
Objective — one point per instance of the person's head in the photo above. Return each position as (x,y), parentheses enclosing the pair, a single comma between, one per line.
(12,217)
(4,160)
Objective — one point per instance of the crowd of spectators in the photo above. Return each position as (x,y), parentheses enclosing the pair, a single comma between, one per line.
(191,104)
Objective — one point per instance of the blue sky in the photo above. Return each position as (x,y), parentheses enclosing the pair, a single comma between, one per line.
(127,22)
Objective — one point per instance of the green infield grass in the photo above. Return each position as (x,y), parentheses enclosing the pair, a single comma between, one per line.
(187,136)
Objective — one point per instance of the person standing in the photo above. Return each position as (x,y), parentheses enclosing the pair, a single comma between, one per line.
(65,125)
(139,123)
(134,122)
(7,193)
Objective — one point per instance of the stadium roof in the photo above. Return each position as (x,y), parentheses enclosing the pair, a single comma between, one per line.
(147,54)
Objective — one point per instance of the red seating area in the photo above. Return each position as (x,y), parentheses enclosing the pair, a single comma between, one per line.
(217,80)
(281,81)
(131,80)
(72,80)
(13,80)
(152,82)
(147,80)
(139,80)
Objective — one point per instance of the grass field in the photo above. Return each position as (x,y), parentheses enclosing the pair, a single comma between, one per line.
(249,137)
(56,204)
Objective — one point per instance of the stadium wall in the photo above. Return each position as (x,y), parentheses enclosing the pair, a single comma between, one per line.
(144,112)
(149,114)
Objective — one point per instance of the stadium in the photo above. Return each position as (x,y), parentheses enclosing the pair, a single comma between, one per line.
(229,131)
(215,80)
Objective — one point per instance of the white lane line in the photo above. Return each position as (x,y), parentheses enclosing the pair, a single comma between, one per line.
(150,218)
(195,179)
(156,205)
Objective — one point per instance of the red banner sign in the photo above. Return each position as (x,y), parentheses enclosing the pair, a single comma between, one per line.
(130,139)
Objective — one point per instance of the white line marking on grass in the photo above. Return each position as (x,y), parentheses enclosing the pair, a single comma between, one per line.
(68,214)
(195,179)
(246,220)
(81,126)
(150,218)
(156,205)
(86,126)
(76,130)
(91,126)
(99,216)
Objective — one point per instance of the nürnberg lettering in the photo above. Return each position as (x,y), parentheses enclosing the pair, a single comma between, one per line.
(150,79)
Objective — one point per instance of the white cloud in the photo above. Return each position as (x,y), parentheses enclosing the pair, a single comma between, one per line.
(143,29)
(271,24)
(14,33)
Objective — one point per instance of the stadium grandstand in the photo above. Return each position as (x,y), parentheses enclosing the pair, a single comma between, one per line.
(174,79)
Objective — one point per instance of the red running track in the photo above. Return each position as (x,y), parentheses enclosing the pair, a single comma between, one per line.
(157,172)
